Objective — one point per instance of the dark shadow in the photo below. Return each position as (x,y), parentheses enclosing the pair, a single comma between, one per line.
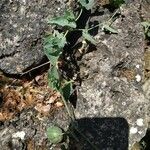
(145,141)
(73,98)
(1,99)
(103,133)
(94,31)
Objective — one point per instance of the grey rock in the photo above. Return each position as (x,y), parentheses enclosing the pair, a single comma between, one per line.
(114,74)
(22,28)
(29,127)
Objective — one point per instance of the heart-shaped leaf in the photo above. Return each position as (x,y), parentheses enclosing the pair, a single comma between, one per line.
(53,46)
(68,19)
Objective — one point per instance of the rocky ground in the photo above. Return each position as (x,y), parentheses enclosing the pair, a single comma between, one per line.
(111,96)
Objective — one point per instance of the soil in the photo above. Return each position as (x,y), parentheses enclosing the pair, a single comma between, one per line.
(28,106)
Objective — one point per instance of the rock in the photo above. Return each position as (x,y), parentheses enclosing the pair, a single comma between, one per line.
(113,87)
(29,128)
(23,25)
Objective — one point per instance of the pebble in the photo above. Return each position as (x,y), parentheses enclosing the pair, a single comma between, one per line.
(19,134)
(133,130)
(138,78)
(139,122)
(138,66)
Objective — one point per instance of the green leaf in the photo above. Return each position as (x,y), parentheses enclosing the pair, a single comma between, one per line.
(68,19)
(148,33)
(88,37)
(109,28)
(66,91)
(56,40)
(145,24)
(69,15)
(60,39)
(53,57)
(55,134)
(88,4)
(53,46)
(53,78)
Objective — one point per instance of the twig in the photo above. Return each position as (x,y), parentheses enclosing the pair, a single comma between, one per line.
(113,15)
(34,68)
(101,24)
(79,15)
(67,108)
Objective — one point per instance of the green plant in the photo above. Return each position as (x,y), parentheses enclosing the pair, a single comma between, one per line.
(146,25)
(53,48)
(54,44)
(55,134)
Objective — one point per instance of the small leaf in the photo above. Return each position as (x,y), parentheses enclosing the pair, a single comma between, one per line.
(109,28)
(53,57)
(88,4)
(60,39)
(66,91)
(55,134)
(68,19)
(88,37)
(53,46)
(53,78)
(69,15)
(145,24)
(148,34)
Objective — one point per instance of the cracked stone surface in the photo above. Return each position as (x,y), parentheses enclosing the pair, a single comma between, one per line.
(113,78)
(22,26)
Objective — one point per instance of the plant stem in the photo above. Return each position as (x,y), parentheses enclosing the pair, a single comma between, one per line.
(66,33)
(113,16)
(95,26)
(67,108)
(34,68)
(73,119)
(79,15)
(90,28)
(101,24)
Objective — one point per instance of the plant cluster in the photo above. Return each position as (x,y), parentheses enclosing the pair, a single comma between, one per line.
(146,25)
(53,48)
(54,44)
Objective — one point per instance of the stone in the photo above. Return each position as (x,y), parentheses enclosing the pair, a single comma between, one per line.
(22,29)
(112,85)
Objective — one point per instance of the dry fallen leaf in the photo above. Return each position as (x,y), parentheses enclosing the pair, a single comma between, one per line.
(30,144)
(42,108)
(59,104)
(53,98)
(27,94)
